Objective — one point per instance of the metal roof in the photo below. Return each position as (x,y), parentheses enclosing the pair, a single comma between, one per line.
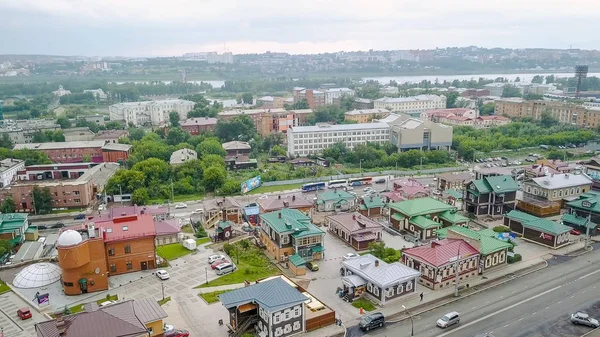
(566,180)
(420,206)
(383,275)
(270,295)
(488,243)
(324,127)
(148,310)
(442,252)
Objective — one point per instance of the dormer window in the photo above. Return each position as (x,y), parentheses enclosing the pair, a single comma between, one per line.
(109,230)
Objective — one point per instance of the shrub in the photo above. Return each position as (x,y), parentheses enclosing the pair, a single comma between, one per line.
(200,232)
(513,259)
(228,248)
(501,229)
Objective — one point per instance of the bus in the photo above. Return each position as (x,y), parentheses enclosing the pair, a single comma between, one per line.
(313,187)
(360,181)
(337,183)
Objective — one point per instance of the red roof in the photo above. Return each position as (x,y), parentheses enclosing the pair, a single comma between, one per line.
(498,118)
(167,227)
(128,227)
(441,252)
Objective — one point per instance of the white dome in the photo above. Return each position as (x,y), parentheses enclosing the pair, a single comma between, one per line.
(37,275)
(69,238)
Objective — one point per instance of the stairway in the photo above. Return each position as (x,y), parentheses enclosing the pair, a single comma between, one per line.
(210,223)
(244,326)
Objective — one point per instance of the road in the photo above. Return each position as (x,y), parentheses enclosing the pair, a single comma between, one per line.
(535,305)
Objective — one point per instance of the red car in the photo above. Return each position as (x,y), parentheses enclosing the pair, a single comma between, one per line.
(218,262)
(24,313)
(575,232)
(177,333)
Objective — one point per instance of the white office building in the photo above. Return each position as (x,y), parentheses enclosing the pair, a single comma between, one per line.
(8,170)
(334,93)
(149,112)
(412,104)
(307,140)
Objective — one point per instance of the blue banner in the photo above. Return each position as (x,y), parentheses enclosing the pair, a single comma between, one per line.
(251,184)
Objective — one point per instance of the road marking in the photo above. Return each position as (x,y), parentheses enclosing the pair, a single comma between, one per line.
(572,296)
(535,312)
(475,307)
(499,311)
(559,302)
(520,319)
(583,292)
(501,297)
(590,274)
(505,325)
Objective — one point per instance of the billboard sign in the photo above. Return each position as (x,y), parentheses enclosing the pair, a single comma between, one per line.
(43,299)
(251,184)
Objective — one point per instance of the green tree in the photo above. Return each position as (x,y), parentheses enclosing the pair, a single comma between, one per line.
(301,104)
(387,254)
(231,187)
(511,91)
(140,196)
(5,141)
(177,136)
(214,177)
(518,79)
(5,247)
(136,134)
(487,109)
(8,206)
(64,122)
(42,200)
(550,79)
(212,160)
(537,79)
(247,98)
(278,151)
(451,99)
(209,146)
(347,103)
(174,119)
(239,128)
(155,171)
(533,97)
(128,180)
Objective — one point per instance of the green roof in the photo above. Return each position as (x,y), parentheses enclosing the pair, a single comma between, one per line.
(363,207)
(373,202)
(420,206)
(520,216)
(481,186)
(502,184)
(334,195)
(297,260)
(317,249)
(222,225)
(424,222)
(398,216)
(454,217)
(593,199)
(454,193)
(292,221)
(489,244)
(548,226)
(577,220)
(11,221)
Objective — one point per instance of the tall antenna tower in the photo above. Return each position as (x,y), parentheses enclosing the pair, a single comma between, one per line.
(580,73)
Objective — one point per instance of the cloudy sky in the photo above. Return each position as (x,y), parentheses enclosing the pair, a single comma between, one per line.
(174,27)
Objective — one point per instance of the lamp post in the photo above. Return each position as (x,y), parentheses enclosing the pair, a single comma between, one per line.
(456,268)
(412,323)
(360,165)
(206,274)
(121,193)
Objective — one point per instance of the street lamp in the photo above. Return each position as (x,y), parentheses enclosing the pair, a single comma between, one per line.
(121,193)
(206,274)
(456,268)
(412,323)
(360,165)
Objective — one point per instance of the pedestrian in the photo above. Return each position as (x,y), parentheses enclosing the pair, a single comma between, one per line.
(421,297)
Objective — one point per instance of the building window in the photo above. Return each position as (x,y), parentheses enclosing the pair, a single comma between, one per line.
(409,286)
(389,292)
(276,318)
(113,268)
(129,265)
(125,228)
(109,230)
(376,291)
(127,249)
(68,284)
(297,312)
(77,201)
(75,192)
(111,251)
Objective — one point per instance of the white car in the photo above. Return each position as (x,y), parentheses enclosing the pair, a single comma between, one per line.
(102,207)
(168,328)
(216,257)
(105,303)
(180,205)
(162,274)
(199,211)
(367,189)
(350,256)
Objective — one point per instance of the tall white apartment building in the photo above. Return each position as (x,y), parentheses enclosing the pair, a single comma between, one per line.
(149,112)
(412,104)
(8,171)
(333,93)
(306,140)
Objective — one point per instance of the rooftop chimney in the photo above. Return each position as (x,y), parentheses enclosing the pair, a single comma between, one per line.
(376,263)
(293,198)
(353,217)
(279,215)
(279,197)
(60,323)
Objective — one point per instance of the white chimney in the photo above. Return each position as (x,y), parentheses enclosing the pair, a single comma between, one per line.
(91,230)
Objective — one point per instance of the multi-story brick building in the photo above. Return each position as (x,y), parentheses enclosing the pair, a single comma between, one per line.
(268,121)
(270,102)
(562,111)
(149,112)
(76,152)
(111,136)
(196,126)
(365,116)
(315,98)
(89,253)
(413,104)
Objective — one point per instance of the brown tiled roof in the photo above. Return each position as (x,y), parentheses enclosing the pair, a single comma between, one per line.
(225,203)
(166,227)
(354,221)
(147,310)
(111,134)
(277,202)
(466,176)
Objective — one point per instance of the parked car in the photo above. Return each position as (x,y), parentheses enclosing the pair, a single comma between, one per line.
(372,321)
(181,205)
(217,263)
(349,188)
(24,313)
(41,227)
(437,192)
(177,333)
(367,189)
(105,303)
(102,207)
(198,211)
(168,328)
(225,268)
(162,274)
(584,319)
(58,225)
(448,319)
(216,257)
(573,231)
(380,181)
(350,256)
(79,216)
(312,266)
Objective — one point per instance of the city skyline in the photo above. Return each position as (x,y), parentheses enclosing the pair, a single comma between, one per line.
(141,28)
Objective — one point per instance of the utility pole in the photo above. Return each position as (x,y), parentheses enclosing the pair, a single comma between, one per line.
(412,323)
(587,230)
(163,291)
(421,165)
(457,271)
(121,192)
(360,165)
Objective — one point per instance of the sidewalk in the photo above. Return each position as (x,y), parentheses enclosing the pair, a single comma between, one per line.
(413,303)
(218,288)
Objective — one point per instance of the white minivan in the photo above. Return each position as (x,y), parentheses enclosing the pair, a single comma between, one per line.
(448,319)
(225,268)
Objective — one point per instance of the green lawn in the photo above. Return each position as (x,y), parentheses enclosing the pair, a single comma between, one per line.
(275,188)
(167,299)
(178,198)
(202,240)
(79,307)
(364,303)
(212,297)
(4,288)
(176,250)
(187,229)
(253,265)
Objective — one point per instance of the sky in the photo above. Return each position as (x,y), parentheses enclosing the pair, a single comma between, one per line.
(170,28)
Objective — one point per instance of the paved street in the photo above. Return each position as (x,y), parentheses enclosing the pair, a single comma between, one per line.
(535,305)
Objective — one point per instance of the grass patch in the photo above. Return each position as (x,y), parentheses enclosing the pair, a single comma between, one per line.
(363,303)
(173,251)
(202,241)
(63,211)
(275,188)
(79,307)
(212,297)
(167,299)
(4,288)
(178,198)
(187,229)
(253,265)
